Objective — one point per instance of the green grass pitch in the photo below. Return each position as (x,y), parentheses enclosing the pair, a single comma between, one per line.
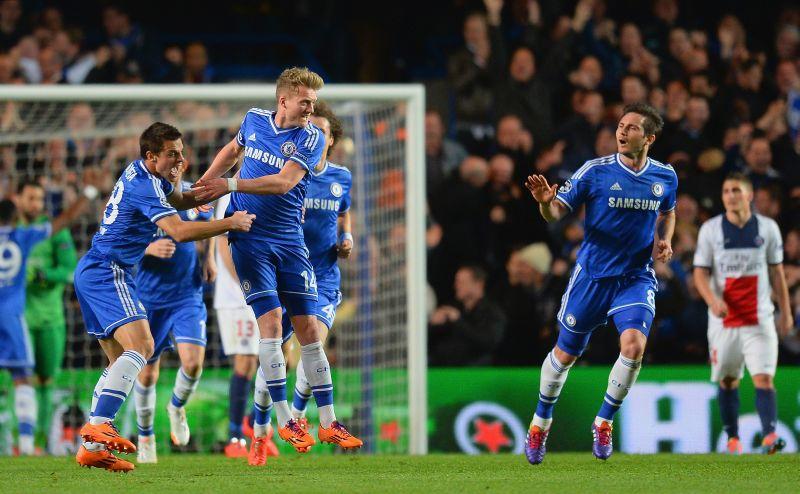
(561,472)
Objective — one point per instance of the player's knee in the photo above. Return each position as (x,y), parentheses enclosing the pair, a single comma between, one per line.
(763,381)
(192,367)
(729,382)
(245,365)
(563,357)
(146,347)
(632,349)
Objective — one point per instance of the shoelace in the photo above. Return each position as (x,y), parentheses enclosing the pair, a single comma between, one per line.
(295,427)
(114,427)
(341,428)
(535,439)
(604,435)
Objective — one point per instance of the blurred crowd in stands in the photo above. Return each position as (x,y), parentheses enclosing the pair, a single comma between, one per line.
(518,87)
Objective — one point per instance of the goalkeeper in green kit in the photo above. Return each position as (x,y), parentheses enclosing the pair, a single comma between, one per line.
(50,268)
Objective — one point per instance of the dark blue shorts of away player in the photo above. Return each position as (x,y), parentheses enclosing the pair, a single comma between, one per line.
(588,303)
(107,294)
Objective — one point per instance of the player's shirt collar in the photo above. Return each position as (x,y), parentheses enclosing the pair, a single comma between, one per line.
(144,167)
(627,169)
(318,173)
(275,128)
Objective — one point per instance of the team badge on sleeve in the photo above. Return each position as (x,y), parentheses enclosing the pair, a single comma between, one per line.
(658,189)
(566,187)
(288,148)
(336,189)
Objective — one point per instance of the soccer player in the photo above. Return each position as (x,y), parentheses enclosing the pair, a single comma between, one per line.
(280,148)
(50,267)
(328,235)
(144,199)
(238,330)
(170,282)
(739,257)
(16,355)
(630,201)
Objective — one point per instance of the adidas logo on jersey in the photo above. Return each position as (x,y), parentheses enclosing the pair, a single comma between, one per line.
(252,137)
(616,186)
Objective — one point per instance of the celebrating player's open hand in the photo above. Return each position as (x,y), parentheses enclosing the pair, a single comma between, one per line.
(241,221)
(210,189)
(162,248)
(345,248)
(541,191)
(663,251)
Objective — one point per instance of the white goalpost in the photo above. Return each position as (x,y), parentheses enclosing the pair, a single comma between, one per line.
(379,351)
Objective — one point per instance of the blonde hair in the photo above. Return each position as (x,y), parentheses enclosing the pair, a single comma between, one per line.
(291,80)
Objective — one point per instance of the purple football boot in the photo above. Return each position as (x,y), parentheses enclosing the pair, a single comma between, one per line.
(534,445)
(601,445)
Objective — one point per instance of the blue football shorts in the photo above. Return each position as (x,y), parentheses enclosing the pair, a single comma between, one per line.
(107,295)
(185,323)
(587,303)
(275,273)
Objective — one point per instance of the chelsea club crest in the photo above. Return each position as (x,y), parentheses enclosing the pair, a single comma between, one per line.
(336,189)
(658,189)
(288,148)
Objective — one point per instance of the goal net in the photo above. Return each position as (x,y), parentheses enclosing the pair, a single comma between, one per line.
(377,350)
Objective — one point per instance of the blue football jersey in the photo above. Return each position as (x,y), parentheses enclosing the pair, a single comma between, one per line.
(328,195)
(163,283)
(621,211)
(138,200)
(15,245)
(267,147)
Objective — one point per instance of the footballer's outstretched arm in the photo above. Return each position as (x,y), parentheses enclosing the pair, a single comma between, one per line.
(545,194)
(184,231)
(225,159)
(277,184)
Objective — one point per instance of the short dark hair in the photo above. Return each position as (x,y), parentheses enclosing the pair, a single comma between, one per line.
(28,182)
(478,273)
(323,110)
(653,123)
(152,139)
(739,177)
(7,209)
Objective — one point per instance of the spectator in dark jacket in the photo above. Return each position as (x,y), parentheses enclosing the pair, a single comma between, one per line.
(468,332)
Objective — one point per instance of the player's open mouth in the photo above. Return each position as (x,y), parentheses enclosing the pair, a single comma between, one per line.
(622,142)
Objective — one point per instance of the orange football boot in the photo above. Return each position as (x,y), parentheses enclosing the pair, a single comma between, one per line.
(337,433)
(102,459)
(772,443)
(236,448)
(258,452)
(297,437)
(734,446)
(107,434)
